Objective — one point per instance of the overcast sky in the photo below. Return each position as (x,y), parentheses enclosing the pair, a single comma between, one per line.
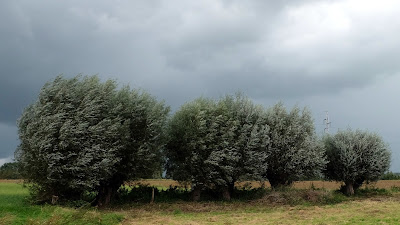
(336,56)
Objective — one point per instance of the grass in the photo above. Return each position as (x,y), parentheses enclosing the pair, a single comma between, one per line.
(15,209)
(309,205)
(352,212)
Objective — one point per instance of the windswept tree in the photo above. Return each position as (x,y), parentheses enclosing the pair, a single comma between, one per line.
(294,151)
(213,144)
(355,157)
(84,135)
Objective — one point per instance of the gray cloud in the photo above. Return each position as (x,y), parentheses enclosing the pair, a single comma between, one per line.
(316,53)
(8,140)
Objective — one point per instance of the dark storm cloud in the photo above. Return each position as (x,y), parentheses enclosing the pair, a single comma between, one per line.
(8,140)
(273,55)
(40,41)
(229,45)
(178,50)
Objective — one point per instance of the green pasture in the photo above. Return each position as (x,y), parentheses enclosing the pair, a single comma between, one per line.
(16,209)
(378,206)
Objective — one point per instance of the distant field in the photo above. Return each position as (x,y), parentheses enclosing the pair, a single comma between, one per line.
(387,184)
(380,209)
(328,185)
(10,181)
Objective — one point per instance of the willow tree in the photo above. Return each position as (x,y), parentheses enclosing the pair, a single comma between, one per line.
(85,135)
(355,157)
(294,151)
(213,144)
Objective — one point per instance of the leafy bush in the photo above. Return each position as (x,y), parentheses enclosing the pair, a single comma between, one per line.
(143,193)
(368,192)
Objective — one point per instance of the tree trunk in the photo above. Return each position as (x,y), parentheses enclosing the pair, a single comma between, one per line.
(54,199)
(107,190)
(226,195)
(106,194)
(232,188)
(152,196)
(279,183)
(357,184)
(196,192)
(275,184)
(349,188)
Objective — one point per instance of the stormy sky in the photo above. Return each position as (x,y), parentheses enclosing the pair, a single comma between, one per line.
(336,56)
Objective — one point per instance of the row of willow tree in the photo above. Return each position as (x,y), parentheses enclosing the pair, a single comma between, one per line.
(83,135)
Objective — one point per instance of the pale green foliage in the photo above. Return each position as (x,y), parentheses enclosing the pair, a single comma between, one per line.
(215,143)
(82,134)
(356,156)
(248,136)
(294,151)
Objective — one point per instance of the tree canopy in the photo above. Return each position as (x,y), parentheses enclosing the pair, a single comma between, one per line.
(82,134)
(294,151)
(213,143)
(355,157)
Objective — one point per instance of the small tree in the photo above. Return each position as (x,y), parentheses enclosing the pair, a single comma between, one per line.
(213,144)
(83,135)
(390,176)
(9,171)
(294,151)
(355,157)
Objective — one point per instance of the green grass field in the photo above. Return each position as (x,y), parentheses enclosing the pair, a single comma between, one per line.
(379,208)
(15,209)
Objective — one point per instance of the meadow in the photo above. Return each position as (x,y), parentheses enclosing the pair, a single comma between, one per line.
(16,209)
(309,202)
